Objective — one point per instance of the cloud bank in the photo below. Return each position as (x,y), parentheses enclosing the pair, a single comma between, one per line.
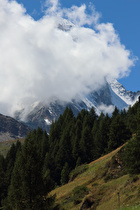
(39,61)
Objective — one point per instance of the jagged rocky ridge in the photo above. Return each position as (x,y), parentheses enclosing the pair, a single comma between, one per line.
(110,95)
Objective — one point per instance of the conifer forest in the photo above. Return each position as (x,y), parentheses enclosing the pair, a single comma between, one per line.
(44,161)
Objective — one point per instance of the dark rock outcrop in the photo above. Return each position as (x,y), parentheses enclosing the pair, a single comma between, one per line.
(11,128)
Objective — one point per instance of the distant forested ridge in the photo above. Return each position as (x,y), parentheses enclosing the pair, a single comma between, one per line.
(31,170)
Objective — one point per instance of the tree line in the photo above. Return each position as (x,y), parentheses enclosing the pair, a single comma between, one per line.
(31,170)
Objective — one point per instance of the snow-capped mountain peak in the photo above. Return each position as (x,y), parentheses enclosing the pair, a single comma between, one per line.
(64,24)
(128,97)
(104,100)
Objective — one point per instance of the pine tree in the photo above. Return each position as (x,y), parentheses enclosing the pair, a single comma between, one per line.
(27,189)
(64,153)
(132,156)
(68,117)
(44,144)
(132,117)
(115,113)
(3,184)
(78,162)
(14,199)
(86,145)
(10,161)
(119,133)
(76,139)
(102,135)
(49,166)
(132,148)
(92,116)
(65,174)
(138,122)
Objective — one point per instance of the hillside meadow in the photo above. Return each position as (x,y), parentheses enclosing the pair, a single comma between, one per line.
(108,187)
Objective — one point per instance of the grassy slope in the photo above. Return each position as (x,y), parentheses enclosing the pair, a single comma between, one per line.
(102,191)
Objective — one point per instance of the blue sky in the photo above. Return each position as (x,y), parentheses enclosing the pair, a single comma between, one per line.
(40,62)
(125,17)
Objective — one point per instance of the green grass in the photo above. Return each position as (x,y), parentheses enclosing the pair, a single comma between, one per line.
(104,193)
(131,208)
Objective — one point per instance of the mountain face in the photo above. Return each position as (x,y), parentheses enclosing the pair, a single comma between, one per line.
(42,115)
(128,96)
(11,128)
(104,100)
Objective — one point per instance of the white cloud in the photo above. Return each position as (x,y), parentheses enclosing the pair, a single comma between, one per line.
(39,61)
(78,15)
(52,7)
(106,109)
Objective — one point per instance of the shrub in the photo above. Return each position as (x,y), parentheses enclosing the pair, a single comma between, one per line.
(77,171)
(79,192)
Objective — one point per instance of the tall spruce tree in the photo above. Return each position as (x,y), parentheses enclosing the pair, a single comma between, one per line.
(119,133)
(132,149)
(101,135)
(65,174)
(76,139)
(3,183)
(86,145)
(132,156)
(27,189)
